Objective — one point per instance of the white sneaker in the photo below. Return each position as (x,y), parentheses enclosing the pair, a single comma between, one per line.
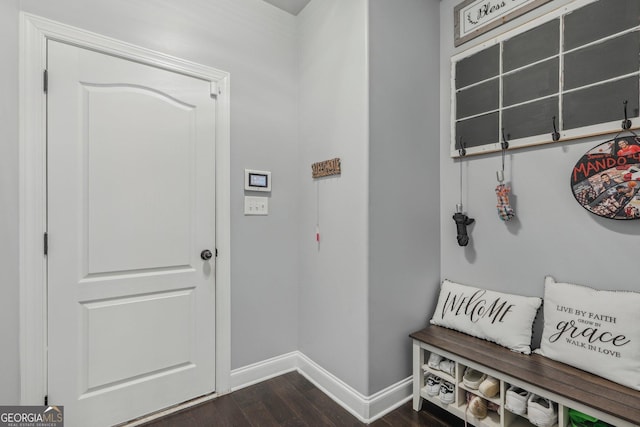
(433,385)
(447,392)
(541,412)
(516,400)
(434,360)
(473,378)
(448,366)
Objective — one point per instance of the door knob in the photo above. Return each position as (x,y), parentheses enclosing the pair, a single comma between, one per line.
(206,255)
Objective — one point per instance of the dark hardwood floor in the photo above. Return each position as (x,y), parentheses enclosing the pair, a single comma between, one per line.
(291,400)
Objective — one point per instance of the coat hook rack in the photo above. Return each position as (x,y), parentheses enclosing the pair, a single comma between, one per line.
(555,135)
(626,123)
(504,144)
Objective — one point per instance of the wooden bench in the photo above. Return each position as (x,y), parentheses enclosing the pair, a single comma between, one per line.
(569,387)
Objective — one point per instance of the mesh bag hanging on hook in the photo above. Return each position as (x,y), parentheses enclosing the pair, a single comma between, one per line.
(505,211)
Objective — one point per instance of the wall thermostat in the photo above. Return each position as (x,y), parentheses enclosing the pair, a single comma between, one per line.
(255,180)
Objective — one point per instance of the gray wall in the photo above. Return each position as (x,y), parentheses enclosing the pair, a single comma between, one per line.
(552,234)
(253,41)
(9,289)
(368,94)
(334,123)
(404,192)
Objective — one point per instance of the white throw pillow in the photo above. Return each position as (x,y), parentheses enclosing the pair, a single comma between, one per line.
(596,331)
(505,319)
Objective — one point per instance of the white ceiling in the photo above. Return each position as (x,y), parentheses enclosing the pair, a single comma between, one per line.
(291,6)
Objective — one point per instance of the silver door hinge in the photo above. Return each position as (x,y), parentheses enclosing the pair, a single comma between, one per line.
(45,81)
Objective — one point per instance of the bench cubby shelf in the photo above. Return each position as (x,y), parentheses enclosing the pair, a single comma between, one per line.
(458,408)
(564,385)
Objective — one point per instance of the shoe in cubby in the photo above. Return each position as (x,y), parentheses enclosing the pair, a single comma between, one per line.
(472,378)
(476,406)
(434,361)
(541,411)
(516,400)
(433,385)
(490,387)
(447,392)
(448,367)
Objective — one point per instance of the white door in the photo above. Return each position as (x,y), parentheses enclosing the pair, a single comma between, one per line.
(131,207)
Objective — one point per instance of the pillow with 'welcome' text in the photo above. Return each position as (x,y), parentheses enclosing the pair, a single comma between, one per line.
(596,331)
(505,319)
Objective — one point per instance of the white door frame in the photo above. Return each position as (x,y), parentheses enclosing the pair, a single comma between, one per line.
(34,33)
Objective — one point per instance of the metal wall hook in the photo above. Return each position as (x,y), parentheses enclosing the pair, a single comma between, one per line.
(626,123)
(462,151)
(504,144)
(555,135)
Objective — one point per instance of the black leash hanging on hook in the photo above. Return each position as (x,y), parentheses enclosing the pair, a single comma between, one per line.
(462,220)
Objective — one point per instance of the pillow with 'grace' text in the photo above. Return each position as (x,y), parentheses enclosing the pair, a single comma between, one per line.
(504,319)
(596,331)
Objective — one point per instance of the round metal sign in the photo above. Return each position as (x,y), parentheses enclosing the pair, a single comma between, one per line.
(606,180)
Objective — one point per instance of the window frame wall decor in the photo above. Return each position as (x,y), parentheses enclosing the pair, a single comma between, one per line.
(548,80)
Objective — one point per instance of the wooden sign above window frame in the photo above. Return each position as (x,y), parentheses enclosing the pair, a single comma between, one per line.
(472,18)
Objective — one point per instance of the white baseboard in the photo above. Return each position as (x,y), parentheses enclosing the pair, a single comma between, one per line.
(390,398)
(366,408)
(343,394)
(261,371)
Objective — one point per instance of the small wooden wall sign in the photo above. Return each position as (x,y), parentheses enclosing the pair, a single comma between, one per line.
(326,168)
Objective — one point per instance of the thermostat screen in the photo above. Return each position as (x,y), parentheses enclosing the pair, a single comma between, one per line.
(258,180)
